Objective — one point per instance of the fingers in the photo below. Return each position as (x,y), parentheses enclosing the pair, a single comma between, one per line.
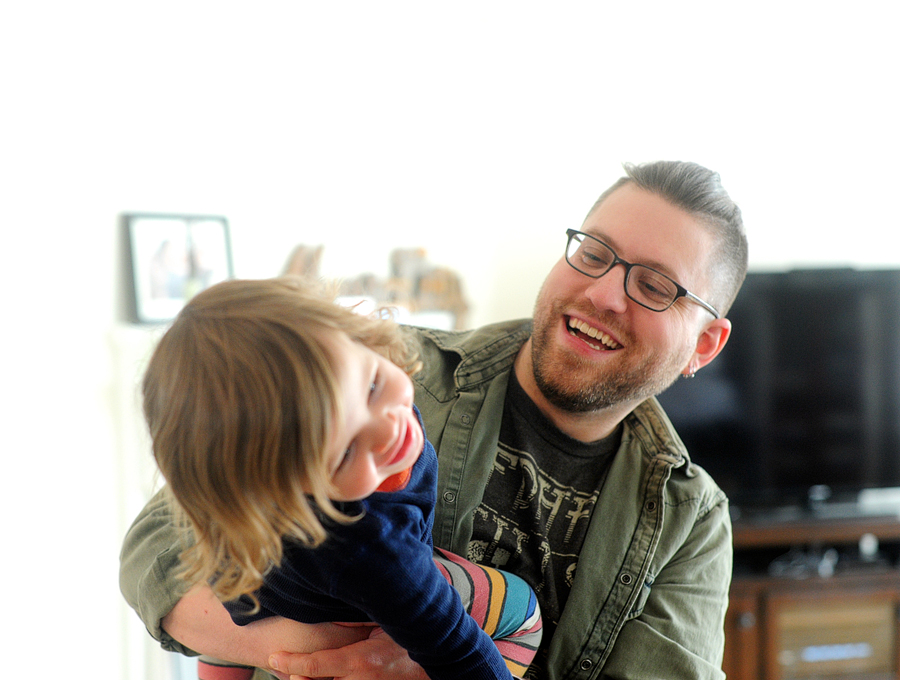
(323,664)
(378,658)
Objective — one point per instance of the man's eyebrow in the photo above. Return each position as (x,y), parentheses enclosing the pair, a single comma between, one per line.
(662,267)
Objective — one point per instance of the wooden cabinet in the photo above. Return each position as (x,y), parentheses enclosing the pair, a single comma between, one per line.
(836,621)
(743,639)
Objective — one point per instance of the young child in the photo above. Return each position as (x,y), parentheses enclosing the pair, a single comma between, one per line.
(285,428)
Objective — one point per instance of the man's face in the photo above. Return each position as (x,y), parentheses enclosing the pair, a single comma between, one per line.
(592,346)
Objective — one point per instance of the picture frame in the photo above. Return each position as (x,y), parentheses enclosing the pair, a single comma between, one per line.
(172,258)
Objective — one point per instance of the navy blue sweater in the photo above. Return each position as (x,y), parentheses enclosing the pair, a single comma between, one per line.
(380,568)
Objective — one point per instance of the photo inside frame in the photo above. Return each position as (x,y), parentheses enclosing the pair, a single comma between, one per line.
(173,257)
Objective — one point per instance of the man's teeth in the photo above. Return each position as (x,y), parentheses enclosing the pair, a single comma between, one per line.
(590,331)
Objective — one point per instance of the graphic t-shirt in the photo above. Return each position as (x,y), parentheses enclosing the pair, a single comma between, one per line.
(537,505)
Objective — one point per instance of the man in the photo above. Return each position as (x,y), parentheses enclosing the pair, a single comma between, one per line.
(555,461)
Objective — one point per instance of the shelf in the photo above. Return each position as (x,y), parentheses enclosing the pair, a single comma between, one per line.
(765,533)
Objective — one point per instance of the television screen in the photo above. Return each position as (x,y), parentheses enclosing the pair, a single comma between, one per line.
(803,404)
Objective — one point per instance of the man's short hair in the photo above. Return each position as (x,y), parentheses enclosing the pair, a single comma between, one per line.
(698,191)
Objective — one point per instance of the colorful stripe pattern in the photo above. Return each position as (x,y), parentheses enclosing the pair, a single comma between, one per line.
(502,604)
(213,669)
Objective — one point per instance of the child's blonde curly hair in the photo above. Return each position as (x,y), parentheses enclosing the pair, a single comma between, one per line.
(241,397)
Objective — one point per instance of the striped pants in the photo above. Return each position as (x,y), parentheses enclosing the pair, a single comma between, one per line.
(502,604)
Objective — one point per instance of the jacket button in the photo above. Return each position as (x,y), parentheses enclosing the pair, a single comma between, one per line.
(449,496)
(466,419)
(651,506)
(626,579)
(586,664)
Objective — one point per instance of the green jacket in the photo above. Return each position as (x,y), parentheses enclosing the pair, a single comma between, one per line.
(651,589)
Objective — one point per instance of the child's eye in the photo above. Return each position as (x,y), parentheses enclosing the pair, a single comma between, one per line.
(344,460)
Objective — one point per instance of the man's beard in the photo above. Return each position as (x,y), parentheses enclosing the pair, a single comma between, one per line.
(576,385)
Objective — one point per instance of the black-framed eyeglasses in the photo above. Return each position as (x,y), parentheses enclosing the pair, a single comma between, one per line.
(646,286)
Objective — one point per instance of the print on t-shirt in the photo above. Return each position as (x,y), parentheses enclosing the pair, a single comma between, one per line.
(544,512)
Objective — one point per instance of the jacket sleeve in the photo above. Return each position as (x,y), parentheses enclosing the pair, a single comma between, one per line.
(148,562)
(677,629)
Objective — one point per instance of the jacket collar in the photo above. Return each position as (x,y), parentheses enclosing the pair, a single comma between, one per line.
(484,352)
(650,423)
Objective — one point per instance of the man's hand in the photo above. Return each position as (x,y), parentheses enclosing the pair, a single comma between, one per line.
(200,622)
(377,658)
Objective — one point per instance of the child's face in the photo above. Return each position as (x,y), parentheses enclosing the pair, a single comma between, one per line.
(380,435)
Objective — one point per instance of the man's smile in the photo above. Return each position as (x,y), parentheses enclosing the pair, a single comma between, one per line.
(591,335)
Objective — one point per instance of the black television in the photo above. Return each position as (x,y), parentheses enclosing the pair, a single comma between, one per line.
(801,411)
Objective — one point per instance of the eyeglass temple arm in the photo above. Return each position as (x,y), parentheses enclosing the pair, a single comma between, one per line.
(709,308)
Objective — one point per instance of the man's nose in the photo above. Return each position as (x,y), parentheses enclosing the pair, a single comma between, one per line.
(608,292)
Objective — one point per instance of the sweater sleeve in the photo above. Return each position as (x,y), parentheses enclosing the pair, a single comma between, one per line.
(382,568)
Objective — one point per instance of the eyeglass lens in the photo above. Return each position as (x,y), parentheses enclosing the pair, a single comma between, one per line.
(642,284)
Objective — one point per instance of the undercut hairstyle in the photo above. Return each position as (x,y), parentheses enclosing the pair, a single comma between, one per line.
(241,397)
(699,192)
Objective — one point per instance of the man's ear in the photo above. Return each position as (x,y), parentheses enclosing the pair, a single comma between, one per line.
(710,343)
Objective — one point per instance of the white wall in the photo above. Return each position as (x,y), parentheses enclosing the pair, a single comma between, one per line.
(480,130)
